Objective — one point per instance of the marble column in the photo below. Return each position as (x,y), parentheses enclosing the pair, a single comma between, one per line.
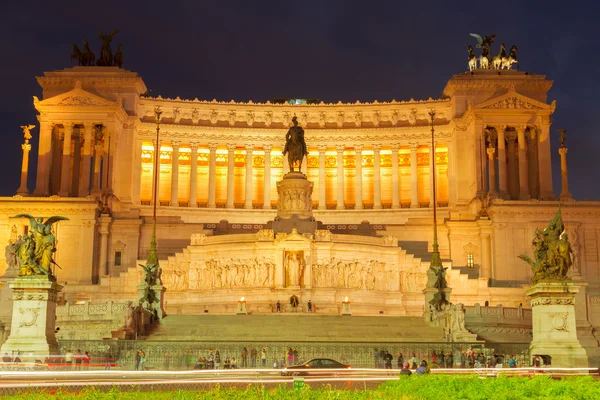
(492,170)
(86,163)
(376,176)
(267,177)
(66,162)
(358,204)
(512,176)
(193,175)
(340,176)
(414,176)
(156,173)
(432,171)
(564,193)
(230,175)
(175,174)
(395,177)
(523,167)
(42,183)
(485,236)
(249,150)
(545,160)
(212,175)
(98,151)
(322,178)
(502,174)
(26,147)
(105,221)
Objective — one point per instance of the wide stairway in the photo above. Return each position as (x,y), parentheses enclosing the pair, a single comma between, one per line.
(295,327)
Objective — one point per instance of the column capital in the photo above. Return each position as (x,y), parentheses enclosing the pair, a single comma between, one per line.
(511,136)
(358,148)
(322,148)
(267,148)
(175,144)
(249,148)
(340,148)
(376,147)
(193,145)
(520,128)
(68,125)
(413,146)
(27,147)
(231,148)
(491,151)
(395,147)
(212,146)
(499,127)
(563,151)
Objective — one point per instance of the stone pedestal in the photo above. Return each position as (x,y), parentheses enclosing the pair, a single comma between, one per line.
(34,317)
(346,308)
(294,205)
(241,310)
(554,324)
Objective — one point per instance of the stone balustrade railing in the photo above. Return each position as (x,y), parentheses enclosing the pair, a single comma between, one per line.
(93,311)
(498,312)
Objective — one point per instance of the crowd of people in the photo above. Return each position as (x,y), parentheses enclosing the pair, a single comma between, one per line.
(74,361)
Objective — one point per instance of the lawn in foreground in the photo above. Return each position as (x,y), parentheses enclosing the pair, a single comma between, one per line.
(413,387)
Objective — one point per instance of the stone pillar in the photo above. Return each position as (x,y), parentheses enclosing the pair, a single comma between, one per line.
(267,177)
(33,318)
(340,176)
(513,178)
(175,174)
(230,175)
(485,237)
(395,177)
(432,172)
(193,175)
(26,147)
(322,178)
(414,171)
(105,221)
(502,174)
(66,162)
(212,175)
(555,325)
(564,193)
(42,183)
(523,167)
(98,150)
(86,164)
(156,173)
(249,150)
(358,204)
(545,161)
(376,176)
(492,169)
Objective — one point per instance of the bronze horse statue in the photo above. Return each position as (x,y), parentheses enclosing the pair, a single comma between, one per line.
(87,57)
(76,55)
(295,146)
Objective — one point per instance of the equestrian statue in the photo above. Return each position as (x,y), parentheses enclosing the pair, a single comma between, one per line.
(86,58)
(498,62)
(295,146)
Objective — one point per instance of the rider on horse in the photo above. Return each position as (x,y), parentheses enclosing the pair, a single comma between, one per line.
(295,146)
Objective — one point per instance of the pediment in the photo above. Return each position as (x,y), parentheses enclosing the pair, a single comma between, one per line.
(74,98)
(514,100)
(293,237)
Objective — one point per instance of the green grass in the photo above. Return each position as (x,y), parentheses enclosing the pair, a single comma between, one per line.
(414,387)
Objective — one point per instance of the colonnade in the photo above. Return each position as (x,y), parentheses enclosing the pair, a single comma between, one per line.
(345,157)
(72,159)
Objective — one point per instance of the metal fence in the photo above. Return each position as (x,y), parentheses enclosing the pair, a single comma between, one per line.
(183,355)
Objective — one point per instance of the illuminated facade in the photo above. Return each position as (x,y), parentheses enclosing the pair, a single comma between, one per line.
(370,163)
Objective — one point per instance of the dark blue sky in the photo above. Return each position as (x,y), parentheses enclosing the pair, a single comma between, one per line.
(333,50)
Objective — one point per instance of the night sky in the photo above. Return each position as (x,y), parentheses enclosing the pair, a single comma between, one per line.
(331,50)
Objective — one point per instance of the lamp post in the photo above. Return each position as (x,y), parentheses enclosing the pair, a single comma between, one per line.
(152,257)
(436,261)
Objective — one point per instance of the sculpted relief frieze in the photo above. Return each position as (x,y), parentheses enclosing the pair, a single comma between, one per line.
(355,274)
(233,273)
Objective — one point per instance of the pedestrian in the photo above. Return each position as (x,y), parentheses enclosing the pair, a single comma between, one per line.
(217,360)
(69,359)
(376,357)
(413,361)
(400,360)
(433,357)
(253,355)
(263,357)
(309,306)
(449,360)
(86,360)
(227,363)
(422,370)
(233,363)
(512,362)
(388,360)
(143,360)
(295,355)
(78,360)
(278,305)
(290,356)
(405,370)
(244,358)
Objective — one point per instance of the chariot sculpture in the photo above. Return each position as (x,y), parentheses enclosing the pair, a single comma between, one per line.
(498,62)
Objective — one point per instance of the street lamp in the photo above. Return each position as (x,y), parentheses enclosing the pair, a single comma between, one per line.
(436,261)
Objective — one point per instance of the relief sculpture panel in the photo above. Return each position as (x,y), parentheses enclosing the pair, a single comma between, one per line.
(233,273)
(355,274)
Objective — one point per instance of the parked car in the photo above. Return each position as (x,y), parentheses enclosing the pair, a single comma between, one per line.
(316,366)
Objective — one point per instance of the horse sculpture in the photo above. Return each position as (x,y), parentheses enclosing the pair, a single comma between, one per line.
(118,61)
(497,60)
(295,146)
(511,59)
(87,57)
(76,55)
(472,58)
(106,57)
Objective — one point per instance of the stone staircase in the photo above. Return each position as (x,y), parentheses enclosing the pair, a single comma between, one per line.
(296,328)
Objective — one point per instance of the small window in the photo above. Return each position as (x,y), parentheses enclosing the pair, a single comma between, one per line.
(117,258)
(470,261)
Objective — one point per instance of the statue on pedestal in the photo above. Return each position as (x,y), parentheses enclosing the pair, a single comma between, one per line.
(552,252)
(295,146)
(34,253)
